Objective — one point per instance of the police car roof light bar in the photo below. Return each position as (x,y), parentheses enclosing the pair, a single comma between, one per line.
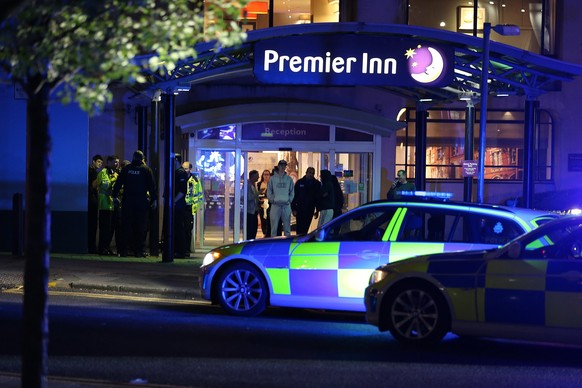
(427,194)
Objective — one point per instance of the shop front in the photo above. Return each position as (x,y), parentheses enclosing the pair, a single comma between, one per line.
(224,155)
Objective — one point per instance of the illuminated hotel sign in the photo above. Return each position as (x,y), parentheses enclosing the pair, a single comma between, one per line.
(285,131)
(352,60)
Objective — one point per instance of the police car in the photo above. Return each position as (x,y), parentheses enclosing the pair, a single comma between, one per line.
(529,289)
(329,268)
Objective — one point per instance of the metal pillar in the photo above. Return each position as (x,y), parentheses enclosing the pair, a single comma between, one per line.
(531,109)
(142,129)
(420,146)
(469,150)
(153,158)
(169,101)
(484,89)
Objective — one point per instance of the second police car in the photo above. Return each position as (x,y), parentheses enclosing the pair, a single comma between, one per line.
(529,289)
(330,267)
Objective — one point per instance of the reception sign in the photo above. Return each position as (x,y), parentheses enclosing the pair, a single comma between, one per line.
(353,60)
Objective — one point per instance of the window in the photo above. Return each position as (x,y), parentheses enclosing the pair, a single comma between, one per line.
(560,243)
(536,19)
(256,14)
(447,225)
(368,224)
(504,145)
(496,231)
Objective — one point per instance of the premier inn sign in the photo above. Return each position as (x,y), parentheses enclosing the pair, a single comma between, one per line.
(353,60)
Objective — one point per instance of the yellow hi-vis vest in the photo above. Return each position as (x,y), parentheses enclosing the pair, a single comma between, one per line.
(194,195)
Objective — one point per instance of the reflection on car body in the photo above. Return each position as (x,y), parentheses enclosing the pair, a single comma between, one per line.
(330,267)
(529,289)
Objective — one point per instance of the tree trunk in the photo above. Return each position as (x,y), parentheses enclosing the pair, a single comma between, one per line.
(37,237)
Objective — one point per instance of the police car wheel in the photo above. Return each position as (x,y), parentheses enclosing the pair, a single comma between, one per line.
(242,290)
(417,314)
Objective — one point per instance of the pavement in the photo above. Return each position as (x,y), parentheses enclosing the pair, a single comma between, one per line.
(147,276)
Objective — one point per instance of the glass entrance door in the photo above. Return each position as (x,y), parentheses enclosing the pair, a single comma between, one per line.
(224,181)
(354,172)
(216,220)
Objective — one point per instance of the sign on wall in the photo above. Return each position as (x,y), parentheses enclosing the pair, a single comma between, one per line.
(285,131)
(353,60)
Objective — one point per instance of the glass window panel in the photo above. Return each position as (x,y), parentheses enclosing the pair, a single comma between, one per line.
(504,146)
(459,16)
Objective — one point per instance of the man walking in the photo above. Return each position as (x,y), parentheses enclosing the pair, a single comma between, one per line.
(280,191)
(307,191)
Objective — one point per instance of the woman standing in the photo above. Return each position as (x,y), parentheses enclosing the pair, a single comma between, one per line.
(264,203)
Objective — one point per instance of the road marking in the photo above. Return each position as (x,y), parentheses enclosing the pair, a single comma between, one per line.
(118,297)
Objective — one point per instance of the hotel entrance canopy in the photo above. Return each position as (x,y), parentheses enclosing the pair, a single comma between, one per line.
(512,71)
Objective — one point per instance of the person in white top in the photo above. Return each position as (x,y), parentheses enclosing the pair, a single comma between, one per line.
(280,191)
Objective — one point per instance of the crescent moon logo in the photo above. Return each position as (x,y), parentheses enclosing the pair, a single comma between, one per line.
(425,64)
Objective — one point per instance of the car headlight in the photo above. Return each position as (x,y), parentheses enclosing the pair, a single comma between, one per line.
(379,274)
(210,258)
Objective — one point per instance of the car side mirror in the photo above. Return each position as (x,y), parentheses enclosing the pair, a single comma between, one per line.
(514,250)
(320,235)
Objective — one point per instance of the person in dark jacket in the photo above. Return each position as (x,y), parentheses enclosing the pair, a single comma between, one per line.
(139,194)
(181,211)
(338,197)
(399,185)
(326,202)
(307,191)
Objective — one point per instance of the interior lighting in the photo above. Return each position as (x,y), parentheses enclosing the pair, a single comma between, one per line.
(255,8)
(467,96)
(304,18)
(463,72)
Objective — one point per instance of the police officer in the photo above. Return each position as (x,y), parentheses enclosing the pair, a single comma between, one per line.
(193,199)
(182,212)
(139,194)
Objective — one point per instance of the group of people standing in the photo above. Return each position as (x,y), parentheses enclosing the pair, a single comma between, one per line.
(275,197)
(120,197)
